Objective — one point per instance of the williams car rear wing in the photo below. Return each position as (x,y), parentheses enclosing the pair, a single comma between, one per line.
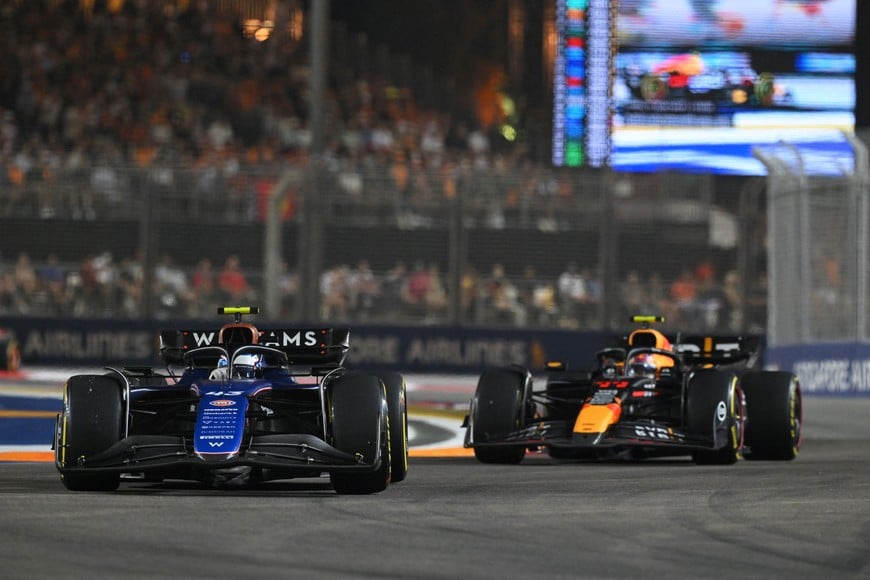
(303,346)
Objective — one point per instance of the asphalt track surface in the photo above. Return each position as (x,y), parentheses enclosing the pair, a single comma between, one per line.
(456,518)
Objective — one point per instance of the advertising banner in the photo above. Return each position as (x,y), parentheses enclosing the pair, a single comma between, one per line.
(826,368)
(435,349)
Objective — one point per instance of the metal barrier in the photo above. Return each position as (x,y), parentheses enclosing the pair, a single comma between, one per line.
(818,259)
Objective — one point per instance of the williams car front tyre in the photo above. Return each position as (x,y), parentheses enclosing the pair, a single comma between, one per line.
(394,384)
(91,422)
(359,418)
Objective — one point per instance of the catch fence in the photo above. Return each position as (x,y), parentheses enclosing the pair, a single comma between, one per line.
(386,240)
(818,249)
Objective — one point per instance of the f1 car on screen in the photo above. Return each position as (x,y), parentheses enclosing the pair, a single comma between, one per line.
(237,404)
(700,397)
(688,76)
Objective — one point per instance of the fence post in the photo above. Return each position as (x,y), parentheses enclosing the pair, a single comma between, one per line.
(272,255)
(861,191)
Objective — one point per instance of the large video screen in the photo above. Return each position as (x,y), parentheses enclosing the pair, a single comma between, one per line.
(700,85)
(582,96)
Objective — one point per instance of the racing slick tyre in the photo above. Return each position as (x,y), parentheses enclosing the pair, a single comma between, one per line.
(501,406)
(10,354)
(774,413)
(397,407)
(92,421)
(359,417)
(715,411)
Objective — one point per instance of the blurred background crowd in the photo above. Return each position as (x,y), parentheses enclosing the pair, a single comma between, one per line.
(104,104)
(103,287)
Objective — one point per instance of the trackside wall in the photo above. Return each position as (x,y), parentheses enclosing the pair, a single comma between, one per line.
(409,349)
(826,368)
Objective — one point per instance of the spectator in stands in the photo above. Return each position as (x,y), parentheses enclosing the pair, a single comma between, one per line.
(392,289)
(174,294)
(52,277)
(573,295)
(25,275)
(470,294)
(11,301)
(538,296)
(84,291)
(415,290)
(710,303)
(335,293)
(289,287)
(501,299)
(634,296)
(232,282)
(365,290)
(436,296)
(130,279)
(684,294)
(203,288)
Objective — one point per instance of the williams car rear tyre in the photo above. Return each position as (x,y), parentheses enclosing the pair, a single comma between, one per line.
(774,415)
(715,411)
(501,406)
(394,383)
(92,421)
(359,417)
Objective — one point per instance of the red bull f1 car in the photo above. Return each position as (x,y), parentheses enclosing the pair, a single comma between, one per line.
(700,396)
(236,405)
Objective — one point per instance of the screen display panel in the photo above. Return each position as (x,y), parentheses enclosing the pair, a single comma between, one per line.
(700,84)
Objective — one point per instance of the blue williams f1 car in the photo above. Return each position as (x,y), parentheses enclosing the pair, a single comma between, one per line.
(701,397)
(236,405)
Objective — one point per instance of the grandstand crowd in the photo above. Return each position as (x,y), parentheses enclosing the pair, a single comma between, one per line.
(98,106)
(102,287)
(181,95)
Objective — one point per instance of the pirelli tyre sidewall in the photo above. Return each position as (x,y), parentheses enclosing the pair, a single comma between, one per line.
(91,421)
(358,418)
(394,384)
(715,411)
(774,408)
(500,406)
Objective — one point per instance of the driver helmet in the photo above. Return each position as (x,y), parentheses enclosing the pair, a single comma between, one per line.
(642,365)
(246,366)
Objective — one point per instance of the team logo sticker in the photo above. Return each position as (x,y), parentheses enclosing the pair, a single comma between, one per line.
(222,403)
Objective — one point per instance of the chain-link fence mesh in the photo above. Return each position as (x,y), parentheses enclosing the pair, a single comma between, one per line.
(818,264)
(390,241)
